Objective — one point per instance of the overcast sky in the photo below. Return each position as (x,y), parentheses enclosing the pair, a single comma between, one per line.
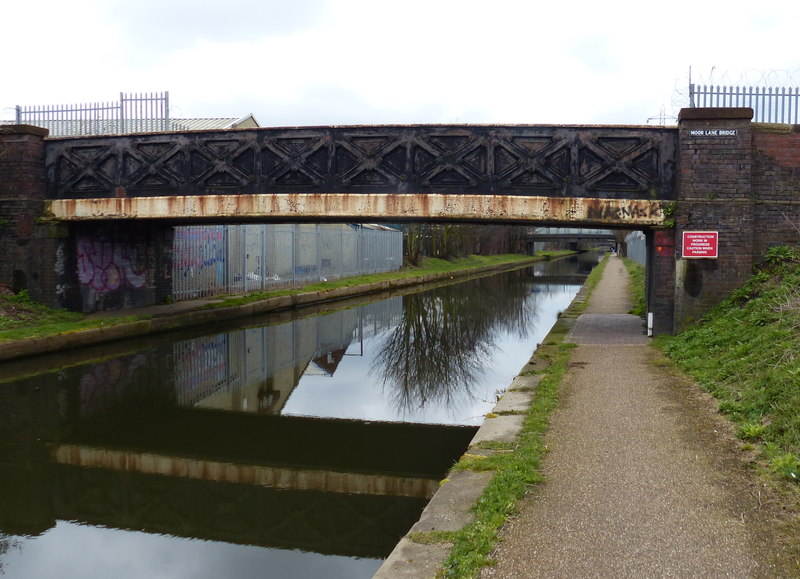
(322,62)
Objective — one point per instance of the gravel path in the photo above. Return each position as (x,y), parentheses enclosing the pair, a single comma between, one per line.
(642,480)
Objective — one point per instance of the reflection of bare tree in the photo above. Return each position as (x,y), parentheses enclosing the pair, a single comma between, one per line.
(8,543)
(444,339)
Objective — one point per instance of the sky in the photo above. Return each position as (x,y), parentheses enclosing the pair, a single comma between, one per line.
(355,62)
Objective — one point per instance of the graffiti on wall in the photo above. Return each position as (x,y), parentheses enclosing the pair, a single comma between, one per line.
(198,248)
(106,266)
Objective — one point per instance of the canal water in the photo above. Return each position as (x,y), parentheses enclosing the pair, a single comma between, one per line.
(301,448)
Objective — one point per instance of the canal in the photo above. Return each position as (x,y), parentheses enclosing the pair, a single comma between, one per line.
(278,448)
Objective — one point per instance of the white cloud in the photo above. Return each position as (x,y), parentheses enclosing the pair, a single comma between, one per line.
(361,61)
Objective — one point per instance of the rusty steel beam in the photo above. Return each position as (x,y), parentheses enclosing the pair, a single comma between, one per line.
(363,206)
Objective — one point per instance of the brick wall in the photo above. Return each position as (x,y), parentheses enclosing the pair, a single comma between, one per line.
(21,205)
(661,279)
(776,186)
(715,194)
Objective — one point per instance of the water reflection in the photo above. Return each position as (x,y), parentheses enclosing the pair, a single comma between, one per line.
(310,446)
(444,343)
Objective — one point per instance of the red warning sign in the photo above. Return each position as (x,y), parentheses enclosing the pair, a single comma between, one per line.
(699,244)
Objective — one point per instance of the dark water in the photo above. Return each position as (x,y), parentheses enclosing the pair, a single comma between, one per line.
(296,449)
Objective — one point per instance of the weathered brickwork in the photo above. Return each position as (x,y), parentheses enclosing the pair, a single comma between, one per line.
(22,186)
(661,279)
(715,194)
(85,267)
(776,186)
(742,180)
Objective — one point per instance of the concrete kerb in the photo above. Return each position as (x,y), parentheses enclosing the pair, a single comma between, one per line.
(450,508)
(185,315)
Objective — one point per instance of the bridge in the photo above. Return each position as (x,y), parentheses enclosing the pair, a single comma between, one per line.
(716,171)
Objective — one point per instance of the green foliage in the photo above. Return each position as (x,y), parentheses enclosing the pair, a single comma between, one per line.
(427,266)
(433,537)
(637,286)
(514,473)
(787,466)
(750,431)
(669,210)
(20,311)
(746,352)
(780,255)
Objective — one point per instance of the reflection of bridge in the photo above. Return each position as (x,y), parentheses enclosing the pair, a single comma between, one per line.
(244,514)
(332,455)
(329,486)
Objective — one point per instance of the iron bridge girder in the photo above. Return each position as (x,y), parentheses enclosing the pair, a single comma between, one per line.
(611,162)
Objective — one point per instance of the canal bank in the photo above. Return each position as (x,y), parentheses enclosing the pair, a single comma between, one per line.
(210,397)
(197,313)
(643,476)
(428,544)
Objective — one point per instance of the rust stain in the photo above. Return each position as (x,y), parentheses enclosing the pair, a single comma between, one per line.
(363,206)
(268,476)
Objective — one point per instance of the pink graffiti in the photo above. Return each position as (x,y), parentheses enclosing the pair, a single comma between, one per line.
(106,265)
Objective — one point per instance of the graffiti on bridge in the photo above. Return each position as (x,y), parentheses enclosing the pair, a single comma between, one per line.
(106,266)
(625,212)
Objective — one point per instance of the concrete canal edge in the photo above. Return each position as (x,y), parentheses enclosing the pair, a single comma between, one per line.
(182,315)
(450,507)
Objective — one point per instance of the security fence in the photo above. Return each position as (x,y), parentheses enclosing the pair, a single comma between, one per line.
(636,247)
(225,259)
(769,104)
(134,113)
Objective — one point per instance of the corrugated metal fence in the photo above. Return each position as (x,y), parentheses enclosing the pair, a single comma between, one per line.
(233,259)
(769,104)
(636,246)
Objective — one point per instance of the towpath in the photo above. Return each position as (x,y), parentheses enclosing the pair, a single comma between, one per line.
(642,478)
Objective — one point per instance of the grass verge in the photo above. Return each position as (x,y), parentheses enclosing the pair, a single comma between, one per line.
(516,467)
(637,286)
(746,353)
(429,266)
(22,319)
(514,472)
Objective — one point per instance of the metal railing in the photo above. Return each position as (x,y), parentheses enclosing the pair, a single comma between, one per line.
(769,104)
(134,113)
(222,259)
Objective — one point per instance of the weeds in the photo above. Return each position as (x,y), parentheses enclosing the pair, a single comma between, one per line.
(514,473)
(746,353)
(637,286)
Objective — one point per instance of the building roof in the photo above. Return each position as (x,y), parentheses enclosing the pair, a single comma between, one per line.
(79,127)
(248,121)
